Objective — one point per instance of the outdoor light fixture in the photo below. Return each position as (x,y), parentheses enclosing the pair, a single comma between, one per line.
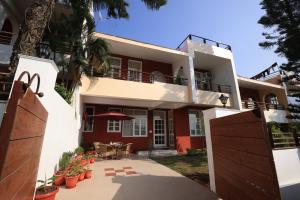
(43,50)
(223,100)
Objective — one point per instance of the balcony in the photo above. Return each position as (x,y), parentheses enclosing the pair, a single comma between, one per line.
(5,46)
(208,93)
(272,112)
(133,88)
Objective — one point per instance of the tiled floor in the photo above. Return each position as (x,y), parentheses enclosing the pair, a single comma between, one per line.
(138,179)
(122,171)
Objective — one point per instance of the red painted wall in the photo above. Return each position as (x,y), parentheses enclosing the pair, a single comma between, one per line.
(247,93)
(183,140)
(182,131)
(148,66)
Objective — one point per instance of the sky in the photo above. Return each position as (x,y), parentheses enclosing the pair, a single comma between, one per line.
(232,22)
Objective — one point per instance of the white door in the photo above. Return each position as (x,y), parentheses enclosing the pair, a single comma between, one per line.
(159,127)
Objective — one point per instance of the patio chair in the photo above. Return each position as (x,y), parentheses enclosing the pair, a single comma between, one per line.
(126,150)
(103,150)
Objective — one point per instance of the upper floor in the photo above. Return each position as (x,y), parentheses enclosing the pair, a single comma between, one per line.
(155,76)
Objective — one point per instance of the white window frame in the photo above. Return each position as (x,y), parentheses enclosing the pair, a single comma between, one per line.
(115,66)
(114,122)
(133,132)
(132,69)
(202,133)
(92,129)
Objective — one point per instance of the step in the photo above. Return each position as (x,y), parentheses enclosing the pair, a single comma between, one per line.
(163,152)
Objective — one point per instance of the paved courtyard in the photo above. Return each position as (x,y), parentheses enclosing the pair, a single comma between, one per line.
(135,179)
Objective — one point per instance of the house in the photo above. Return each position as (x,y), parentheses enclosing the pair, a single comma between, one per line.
(164,89)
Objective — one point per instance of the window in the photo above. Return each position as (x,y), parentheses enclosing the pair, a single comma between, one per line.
(136,127)
(271,99)
(114,125)
(203,80)
(134,70)
(115,67)
(196,123)
(89,119)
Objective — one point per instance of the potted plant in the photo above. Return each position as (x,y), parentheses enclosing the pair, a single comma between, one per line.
(46,191)
(88,172)
(64,161)
(92,158)
(81,172)
(72,176)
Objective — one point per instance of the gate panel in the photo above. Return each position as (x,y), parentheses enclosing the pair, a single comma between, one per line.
(21,138)
(243,159)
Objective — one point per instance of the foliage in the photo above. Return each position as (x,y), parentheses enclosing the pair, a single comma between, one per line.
(79,150)
(65,159)
(44,183)
(64,93)
(283,18)
(77,52)
(74,171)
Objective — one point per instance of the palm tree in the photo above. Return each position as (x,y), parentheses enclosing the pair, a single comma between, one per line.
(39,14)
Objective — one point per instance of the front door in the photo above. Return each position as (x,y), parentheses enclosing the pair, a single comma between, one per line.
(159,134)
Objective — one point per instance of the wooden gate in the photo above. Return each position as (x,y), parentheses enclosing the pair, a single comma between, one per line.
(243,160)
(21,138)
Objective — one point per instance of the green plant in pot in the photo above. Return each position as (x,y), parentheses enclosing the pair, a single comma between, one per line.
(46,191)
(88,172)
(72,176)
(64,162)
(79,151)
(81,171)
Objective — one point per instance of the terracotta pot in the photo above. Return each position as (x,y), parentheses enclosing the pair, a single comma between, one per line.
(48,196)
(88,174)
(71,181)
(59,179)
(81,176)
(83,162)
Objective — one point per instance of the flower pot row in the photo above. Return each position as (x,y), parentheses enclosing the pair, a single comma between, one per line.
(77,169)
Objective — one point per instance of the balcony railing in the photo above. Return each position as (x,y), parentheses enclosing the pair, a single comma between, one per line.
(213,87)
(6,37)
(204,41)
(284,137)
(137,76)
(246,104)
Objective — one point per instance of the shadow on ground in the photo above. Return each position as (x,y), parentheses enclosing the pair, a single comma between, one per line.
(149,187)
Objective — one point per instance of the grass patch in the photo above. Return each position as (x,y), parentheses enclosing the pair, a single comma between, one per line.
(194,167)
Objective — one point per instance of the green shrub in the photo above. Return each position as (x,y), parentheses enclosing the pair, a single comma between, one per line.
(79,150)
(65,160)
(64,92)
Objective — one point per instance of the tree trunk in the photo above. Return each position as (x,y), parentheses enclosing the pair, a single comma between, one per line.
(31,32)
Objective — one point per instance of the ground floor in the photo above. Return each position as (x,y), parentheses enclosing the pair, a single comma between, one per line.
(135,179)
(179,129)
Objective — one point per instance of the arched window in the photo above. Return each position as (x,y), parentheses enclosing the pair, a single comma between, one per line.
(271,99)
(6,32)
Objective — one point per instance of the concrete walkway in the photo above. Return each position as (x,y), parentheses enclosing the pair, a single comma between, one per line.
(141,179)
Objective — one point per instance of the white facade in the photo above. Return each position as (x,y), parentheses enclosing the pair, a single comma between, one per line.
(287,164)
(63,124)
